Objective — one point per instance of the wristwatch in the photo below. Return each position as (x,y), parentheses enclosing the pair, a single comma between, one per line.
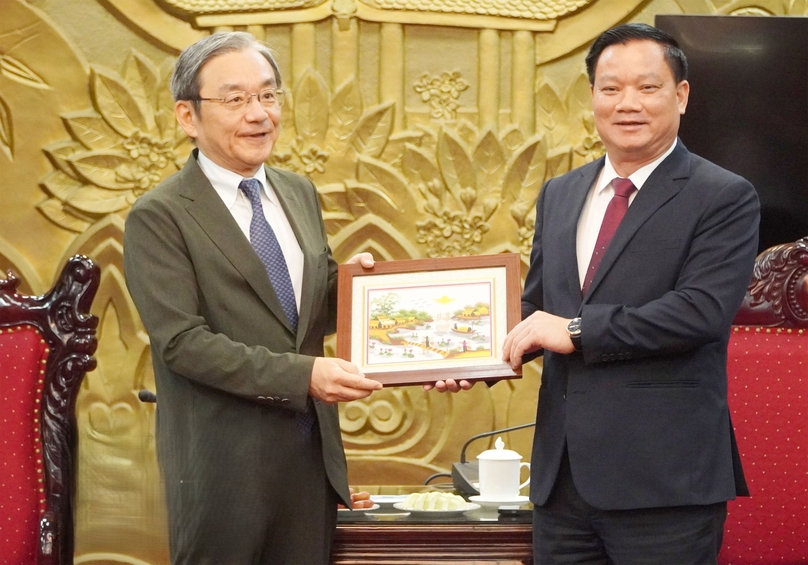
(574,331)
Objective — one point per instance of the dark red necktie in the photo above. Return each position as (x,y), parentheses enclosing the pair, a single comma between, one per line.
(623,189)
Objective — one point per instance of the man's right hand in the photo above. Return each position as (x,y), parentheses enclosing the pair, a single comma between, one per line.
(538,331)
(336,380)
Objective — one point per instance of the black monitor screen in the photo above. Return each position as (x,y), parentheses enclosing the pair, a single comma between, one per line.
(748,108)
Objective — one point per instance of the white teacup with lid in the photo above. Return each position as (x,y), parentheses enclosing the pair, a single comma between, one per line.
(499,473)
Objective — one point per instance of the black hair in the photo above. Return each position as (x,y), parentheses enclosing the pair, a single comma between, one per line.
(625,33)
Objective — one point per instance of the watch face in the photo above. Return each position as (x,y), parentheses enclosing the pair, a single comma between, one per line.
(574,331)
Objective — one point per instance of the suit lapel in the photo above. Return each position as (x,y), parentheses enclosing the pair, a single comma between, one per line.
(660,187)
(576,198)
(300,217)
(213,217)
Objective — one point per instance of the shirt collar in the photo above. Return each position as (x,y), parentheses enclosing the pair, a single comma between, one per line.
(226,182)
(638,177)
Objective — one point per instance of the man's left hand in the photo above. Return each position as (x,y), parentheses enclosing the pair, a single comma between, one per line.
(449,385)
(358,500)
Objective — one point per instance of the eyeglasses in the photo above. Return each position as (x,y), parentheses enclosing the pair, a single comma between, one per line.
(267,98)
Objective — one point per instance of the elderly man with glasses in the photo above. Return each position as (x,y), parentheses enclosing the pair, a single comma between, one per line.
(215,257)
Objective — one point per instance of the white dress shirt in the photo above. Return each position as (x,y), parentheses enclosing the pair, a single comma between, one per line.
(226,185)
(598,200)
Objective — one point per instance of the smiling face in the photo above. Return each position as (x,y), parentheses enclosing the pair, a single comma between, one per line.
(637,103)
(239,140)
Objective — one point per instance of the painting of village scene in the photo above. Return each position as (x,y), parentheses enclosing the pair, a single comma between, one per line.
(428,323)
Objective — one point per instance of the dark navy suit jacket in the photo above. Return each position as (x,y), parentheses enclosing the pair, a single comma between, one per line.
(643,408)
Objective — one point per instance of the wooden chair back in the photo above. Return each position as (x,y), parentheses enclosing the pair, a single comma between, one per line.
(768,394)
(46,347)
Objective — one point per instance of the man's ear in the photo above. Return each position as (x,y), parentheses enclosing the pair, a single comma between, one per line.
(682,95)
(186,117)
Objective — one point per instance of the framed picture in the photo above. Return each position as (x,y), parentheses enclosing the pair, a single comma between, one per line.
(423,320)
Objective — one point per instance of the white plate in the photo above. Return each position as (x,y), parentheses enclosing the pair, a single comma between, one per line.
(374,507)
(435,513)
(518,501)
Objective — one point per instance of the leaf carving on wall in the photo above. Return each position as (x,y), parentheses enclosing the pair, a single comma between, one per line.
(6,130)
(141,80)
(346,109)
(420,170)
(559,161)
(91,130)
(392,181)
(586,141)
(101,169)
(373,130)
(526,173)
(15,70)
(98,201)
(512,138)
(489,160)
(117,105)
(455,164)
(368,199)
(60,185)
(58,153)
(54,210)
(311,108)
(551,113)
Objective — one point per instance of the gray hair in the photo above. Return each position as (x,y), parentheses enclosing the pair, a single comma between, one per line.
(185,78)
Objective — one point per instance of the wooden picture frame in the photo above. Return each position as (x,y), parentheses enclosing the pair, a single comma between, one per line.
(418,321)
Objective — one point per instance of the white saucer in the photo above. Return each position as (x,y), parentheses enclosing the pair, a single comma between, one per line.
(518,501)
(356,510)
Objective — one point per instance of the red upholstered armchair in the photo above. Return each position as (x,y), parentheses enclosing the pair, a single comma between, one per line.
(46,347)
(768,395)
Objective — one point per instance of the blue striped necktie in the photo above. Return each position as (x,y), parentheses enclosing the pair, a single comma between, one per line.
(269,251)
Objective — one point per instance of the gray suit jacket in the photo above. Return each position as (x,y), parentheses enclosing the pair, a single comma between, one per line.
(643,409)
(230,372)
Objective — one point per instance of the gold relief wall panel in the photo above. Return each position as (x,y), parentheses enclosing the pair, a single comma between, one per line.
(37,84)
(428,127)
(12,260)
(122,145)
(120,511)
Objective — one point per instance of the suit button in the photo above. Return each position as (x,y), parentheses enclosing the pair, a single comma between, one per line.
(604,357)
(285,401)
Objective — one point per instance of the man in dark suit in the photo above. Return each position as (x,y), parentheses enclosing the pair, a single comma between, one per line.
(247,427)
(634,456)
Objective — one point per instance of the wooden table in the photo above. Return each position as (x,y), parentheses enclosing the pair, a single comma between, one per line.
(470,539)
